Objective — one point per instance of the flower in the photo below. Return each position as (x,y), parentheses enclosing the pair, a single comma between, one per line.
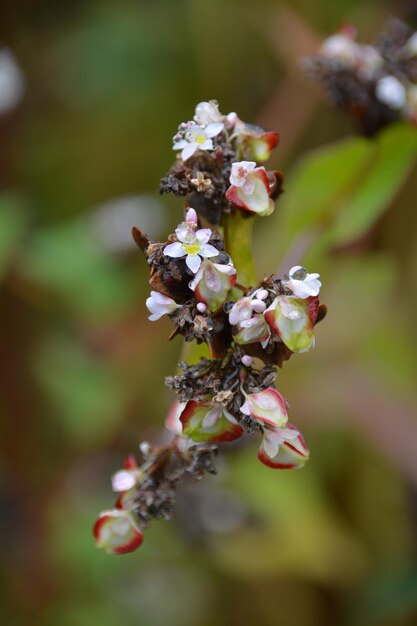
(239,176)
(252,191)
(192,244)
(283,448)
(267,406)
(342,47)
(293,319)
(302,284)
(116,532)
(209,422)
(128,477)
(208,113)
(390,91)
(212,283)
(254,330)
(192,137)
(160,305)
(246,314)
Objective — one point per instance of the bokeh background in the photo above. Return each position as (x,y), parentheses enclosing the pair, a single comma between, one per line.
(85,134)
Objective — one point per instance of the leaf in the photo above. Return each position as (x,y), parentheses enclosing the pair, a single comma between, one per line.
(389,166)
(336,194)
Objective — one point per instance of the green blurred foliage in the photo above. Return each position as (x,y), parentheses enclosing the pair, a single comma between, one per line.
(82,369)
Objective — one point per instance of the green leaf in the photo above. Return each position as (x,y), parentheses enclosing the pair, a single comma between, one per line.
(386,171)
(335,194)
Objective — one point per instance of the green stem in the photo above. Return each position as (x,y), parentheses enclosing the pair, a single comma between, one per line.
(238,241)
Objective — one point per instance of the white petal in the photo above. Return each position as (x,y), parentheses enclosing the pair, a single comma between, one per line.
(203,235)
(174,250)
(213,129)
(179,145)
(193,261)
(207,145)
(207,250)
(188,151)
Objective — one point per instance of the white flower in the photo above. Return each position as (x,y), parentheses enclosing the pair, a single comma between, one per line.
(302,284)
(194,137)
(341,47)
(160,305)
(208,113)
(239,176)
(191,244)
(390,91)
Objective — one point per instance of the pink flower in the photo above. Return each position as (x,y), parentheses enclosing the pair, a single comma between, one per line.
(116,532)
(209,422)
(212,283)
(283,448)
(239,176)
(267,406)
(252,191)
(192,244)
(293,319)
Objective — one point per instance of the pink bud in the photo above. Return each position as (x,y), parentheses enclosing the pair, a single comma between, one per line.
(202,307)
(247,360)
(191,217)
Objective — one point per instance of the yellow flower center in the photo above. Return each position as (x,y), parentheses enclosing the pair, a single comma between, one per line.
(192,248)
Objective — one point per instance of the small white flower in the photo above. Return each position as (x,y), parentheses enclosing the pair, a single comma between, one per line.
(191,244)
(390,91)
(302,284)
(194,137)
(341,47)
(239,176)
(160,305)
(208,113)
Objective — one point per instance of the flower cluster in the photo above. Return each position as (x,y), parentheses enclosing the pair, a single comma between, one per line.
(249,330)
(375,85)
(216,166)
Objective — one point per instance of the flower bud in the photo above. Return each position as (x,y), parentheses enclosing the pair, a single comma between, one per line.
(283,448)
(293,319)
(209,422)
(117,532)
(267,406)
(212,283)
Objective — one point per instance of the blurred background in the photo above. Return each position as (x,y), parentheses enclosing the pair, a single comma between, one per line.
(90,95)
